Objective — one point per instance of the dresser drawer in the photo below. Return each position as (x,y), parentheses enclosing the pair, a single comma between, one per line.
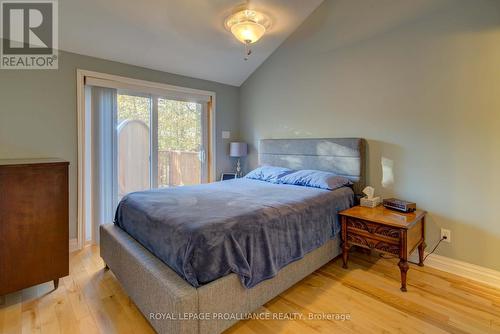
(371,243)
(376,231)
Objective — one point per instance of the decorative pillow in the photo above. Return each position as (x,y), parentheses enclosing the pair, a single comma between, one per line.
(268,173)
(315,179)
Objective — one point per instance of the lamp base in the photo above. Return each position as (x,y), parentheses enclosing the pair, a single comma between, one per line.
(238,168)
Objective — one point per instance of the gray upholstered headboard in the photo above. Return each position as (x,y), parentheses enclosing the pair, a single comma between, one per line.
(342,156)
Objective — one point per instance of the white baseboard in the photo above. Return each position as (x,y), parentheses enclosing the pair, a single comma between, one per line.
(73,245)
(463,269)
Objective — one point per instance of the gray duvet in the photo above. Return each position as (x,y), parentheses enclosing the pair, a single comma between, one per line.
(247,227)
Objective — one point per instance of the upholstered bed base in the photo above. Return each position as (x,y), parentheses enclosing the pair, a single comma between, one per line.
(161,294)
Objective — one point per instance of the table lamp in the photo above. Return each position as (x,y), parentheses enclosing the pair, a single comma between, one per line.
(238,150)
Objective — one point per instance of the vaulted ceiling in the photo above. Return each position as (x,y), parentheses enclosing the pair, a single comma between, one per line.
(178,36)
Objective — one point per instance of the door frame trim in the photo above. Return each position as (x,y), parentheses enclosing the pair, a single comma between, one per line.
(83,137)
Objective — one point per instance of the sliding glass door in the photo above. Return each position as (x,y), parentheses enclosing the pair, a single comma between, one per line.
(138,135)
(161,142)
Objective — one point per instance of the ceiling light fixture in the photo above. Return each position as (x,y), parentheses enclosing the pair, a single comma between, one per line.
(248,26)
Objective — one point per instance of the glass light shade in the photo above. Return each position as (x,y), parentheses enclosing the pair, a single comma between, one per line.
(248,26)
(248,32)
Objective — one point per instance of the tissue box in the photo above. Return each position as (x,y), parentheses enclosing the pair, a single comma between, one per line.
(370,203)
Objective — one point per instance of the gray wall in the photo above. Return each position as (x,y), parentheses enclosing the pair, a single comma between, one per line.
(421,81)
(38,111)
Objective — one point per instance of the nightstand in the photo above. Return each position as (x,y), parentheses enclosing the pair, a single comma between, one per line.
(385,231)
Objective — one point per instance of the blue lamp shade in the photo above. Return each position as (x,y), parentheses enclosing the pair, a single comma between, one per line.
(238,149)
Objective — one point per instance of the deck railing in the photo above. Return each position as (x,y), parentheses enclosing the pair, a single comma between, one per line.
(178,168)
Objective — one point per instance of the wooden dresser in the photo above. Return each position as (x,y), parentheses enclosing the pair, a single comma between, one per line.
(33,223)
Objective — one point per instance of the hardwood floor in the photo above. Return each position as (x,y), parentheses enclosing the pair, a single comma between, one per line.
(90,300)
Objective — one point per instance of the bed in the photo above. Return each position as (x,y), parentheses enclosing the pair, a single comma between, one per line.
(189,289)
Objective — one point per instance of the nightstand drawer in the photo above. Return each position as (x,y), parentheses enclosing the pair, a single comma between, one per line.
(372,243)
(377,231)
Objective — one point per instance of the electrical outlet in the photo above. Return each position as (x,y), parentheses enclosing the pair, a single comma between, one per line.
(446,233)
